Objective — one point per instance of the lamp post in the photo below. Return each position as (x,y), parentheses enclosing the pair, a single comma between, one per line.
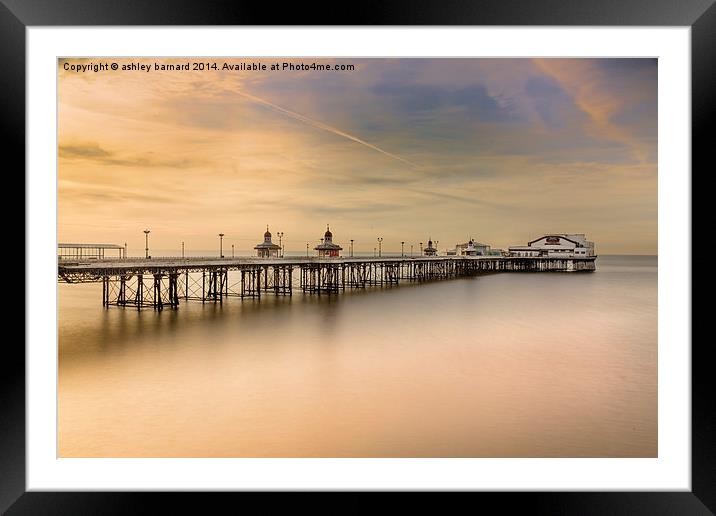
(411,250)
(221,245)
(380,247)
(436,247)
(421,248)
(351,248)
(125,249)
(280,242)
(374,252)
(232,250)
(306,249)
(182,248)
(402,249)
(146,243)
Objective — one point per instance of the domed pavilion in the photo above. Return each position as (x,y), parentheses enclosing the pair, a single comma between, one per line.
(430,250)
(267,249)
(327,249)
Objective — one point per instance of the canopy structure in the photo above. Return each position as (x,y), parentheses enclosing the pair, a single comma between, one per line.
(87,251)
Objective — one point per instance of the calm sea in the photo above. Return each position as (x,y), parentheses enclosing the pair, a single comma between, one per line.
(501,365)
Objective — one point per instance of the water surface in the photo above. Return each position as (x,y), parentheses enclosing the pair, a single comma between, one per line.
(500,365)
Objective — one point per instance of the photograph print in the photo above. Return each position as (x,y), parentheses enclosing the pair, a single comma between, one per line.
(357,257)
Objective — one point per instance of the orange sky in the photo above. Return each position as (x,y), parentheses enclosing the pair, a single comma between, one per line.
(501,150)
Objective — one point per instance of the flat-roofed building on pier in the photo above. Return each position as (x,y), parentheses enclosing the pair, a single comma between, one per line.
(470,248)
(567,245)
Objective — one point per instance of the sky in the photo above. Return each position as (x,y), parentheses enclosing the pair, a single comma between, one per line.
(499,150)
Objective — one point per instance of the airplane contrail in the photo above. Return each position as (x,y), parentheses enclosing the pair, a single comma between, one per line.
(321,125)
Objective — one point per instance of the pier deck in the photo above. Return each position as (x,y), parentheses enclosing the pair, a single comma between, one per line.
(161,282)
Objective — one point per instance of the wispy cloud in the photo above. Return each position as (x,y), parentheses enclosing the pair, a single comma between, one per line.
(93,152)
(88,194)
(89,151)
(322,126)
(596,94)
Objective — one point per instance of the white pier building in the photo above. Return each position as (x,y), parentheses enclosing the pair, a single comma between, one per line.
(567,245)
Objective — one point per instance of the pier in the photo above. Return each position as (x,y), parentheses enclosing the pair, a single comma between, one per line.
(160,283)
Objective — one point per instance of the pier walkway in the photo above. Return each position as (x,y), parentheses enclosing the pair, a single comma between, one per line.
(162,282)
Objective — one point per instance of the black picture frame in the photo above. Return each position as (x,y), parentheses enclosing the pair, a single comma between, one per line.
(17,15)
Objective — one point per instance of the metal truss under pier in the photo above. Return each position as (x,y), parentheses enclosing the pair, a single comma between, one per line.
(162,283)
(153,291)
